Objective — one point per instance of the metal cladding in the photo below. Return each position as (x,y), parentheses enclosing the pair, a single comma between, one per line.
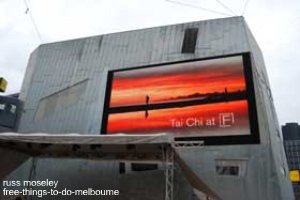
(64,92)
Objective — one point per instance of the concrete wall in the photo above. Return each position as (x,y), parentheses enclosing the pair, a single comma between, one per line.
(54,68)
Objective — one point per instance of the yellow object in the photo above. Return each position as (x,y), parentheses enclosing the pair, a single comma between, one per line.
(3,84)
(294,176)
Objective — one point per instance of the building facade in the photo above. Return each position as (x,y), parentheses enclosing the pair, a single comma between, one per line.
(65,90)
(291,136)
(10,112)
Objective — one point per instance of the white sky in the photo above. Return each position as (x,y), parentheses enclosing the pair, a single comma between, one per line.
(274,23)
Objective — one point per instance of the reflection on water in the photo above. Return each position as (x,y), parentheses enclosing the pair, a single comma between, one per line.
(201,120)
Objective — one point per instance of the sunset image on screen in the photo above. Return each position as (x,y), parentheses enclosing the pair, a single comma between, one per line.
(200,120)
(205,98)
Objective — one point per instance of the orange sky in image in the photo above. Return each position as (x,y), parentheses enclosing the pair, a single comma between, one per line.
(132,90)
(160,120)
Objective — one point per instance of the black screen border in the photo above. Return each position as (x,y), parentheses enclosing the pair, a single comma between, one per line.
(252,138)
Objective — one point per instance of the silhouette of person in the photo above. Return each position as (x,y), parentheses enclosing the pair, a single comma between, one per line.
(225,94)
(146,114)
(147,104)
(147,99)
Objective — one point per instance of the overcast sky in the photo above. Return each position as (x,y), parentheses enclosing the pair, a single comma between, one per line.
(274,23)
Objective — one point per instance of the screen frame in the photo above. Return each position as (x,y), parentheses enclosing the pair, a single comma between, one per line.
(252,138)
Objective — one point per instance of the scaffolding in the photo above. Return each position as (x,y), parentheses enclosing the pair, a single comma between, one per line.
(168,159)
(16,148)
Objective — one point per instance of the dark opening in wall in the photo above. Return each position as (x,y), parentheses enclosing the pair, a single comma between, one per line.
(234,167)
(143,166)
(122,168)
(228,170)
(189,40)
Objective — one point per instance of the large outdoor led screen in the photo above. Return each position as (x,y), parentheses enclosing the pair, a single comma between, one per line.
(199,99)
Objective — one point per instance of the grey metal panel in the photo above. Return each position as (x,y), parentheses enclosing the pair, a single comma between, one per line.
(270,122)
(28,74)
(254,185)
